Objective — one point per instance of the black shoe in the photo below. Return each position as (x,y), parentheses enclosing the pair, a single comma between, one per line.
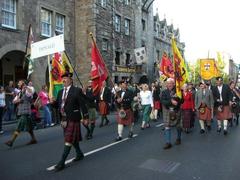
(219,130)
(60,166)
(106,123)
(130,135)
(225,132)
(202,131)
(167,146)
(9,143)
(209,128)
(118,138)
(142,128)
(178,142)
(78,158)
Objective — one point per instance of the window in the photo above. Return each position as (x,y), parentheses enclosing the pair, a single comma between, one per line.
(9,14)
(105,45)
(46,23)
(127,59)
(127,27)
(117,23)
(117,58)
(103,3)
(60,23)
(143,25)
(127,2)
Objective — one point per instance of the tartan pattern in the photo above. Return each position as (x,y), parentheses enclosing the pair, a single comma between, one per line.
(171,123)
(24,107)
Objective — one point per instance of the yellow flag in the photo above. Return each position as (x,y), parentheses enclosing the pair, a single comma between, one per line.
(208,69)
(66,63)
(180,69)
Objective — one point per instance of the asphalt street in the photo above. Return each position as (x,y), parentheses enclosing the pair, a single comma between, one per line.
(209,156)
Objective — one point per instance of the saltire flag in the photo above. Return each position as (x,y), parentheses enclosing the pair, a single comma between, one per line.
(181,73)
(99,71)
(28,60)
(208,69)
(166,66)
(58,66)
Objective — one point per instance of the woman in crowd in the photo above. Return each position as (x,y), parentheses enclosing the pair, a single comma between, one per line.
(156,99)
(44,101)
(147,105)
(235,107)
(187,108)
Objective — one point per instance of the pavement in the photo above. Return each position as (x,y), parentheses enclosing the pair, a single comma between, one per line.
(209,156)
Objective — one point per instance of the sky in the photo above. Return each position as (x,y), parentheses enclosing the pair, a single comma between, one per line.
(206,26)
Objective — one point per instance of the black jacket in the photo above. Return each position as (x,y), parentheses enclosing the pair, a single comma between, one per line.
(127,99)
(226,95)
(75,105)
(166,98)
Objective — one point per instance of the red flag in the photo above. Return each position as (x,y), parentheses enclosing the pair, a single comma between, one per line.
(98,70)
(166,66)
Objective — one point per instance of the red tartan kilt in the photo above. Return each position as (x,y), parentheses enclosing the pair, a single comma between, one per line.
(103,108)
(157,105)
(128,119)
(225,114)
(72,133)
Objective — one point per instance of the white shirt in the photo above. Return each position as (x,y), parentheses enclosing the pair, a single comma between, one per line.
(2,99)
(146,98)
(220,92)
(67,90)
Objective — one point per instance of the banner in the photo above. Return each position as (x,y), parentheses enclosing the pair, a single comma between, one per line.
(166,66)
(208,69)
(46,47)
(140,55)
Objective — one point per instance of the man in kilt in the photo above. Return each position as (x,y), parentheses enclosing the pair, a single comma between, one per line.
(222,102)
(23,101)
(204,106)
(104,103)
(71,103)
(89,124)
(125,114)
(171,113)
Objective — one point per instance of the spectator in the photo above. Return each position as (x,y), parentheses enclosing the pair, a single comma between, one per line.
(2,106)
(9,92)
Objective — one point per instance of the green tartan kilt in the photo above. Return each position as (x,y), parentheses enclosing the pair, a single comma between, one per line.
(24,123)
(92,113)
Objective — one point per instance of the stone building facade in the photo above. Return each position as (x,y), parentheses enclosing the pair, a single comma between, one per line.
(45,17)
(162,40)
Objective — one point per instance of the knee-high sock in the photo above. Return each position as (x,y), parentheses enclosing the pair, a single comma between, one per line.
(87,128)
(120,129)
(77,149)
(156,113)
(143,124)
(201,124)
(225,124)
(219,123)
(131,127)
(67,148)
(15,135)
(92,128)
(167,135)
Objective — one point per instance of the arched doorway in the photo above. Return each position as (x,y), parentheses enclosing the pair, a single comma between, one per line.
(11,67)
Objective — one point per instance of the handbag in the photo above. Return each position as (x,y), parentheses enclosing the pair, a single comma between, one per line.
(37,104)
(172,114)
(152,116)
(122,114)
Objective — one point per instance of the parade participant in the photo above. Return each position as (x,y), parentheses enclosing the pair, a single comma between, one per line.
(187,108)
(71,104)
(2,106)
(125,113)
(147,105)
(204,106)
(43,98)
(222,101)
(192,90)
(104,103)
(156,99)
(171,113)
(91,105)
(235,107)
(23,101)
(9,92)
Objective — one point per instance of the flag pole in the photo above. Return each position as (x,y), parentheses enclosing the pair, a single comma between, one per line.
(74,69)
(93,40)
(50,78)
(26,46)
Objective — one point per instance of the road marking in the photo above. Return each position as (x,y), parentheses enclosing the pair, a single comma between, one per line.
(94,151)
(159,125)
